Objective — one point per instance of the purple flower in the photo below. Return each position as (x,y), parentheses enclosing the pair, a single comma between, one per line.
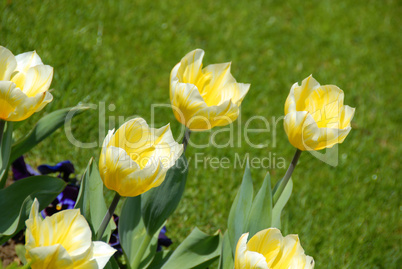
(65,168)
(65,200)
(163,240)
(22,170)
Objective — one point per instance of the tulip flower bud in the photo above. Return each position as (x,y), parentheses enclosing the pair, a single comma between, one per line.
(136,158)
(63,241)
(268,249)
(204,98)
(24,85)
(315,117)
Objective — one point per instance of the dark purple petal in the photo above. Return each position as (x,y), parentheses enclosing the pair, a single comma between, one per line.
(65,168)
(21,169)
(163,240)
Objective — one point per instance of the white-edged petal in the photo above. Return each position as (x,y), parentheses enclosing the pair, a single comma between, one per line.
(38,79)
(7,63)
(49,257)
(102,253)
(27,60)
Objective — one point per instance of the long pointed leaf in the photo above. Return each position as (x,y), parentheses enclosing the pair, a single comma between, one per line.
(5,151)
(261,211)
(198,250)
(160,202)
(43,128)
(91,201)
(239,212)
(16,200)
(280,204)
(132,232)
(226,260)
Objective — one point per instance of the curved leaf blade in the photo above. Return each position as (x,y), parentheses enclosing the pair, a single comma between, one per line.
(160,202)
(43,128)
(17,200)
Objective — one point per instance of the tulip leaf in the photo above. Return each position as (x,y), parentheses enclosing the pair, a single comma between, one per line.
(91,201)
(260,217)
(160,202)
(198,250)
(160,259)
(6,140)
(226,260)
(112,264)
(280,204)
(133,234)
(16,200)
(239,212)
(43,128)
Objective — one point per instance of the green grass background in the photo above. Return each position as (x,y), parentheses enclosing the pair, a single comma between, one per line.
(122,52)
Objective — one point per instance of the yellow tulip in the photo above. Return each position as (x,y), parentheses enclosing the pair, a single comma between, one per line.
(24,85)
(315,117)
(268,249)
(63,241)
(136,158)
(204,98)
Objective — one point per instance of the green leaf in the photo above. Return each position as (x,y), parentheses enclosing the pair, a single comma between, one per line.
(160,202)
(43,128)
(280,204)
(260,217)
(20,251)
(6,141)
(239,212)
(133,234)
(198,250)
(131,227)
(91,201)
(112,264)
(226,260)
(160,259)
(16,200)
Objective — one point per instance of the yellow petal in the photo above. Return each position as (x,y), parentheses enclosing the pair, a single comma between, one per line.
(190,66)
(38,80)
(49,257)
(246,259)
(102,253)
(301,129)
(27,60)
(7,64)
(268,243)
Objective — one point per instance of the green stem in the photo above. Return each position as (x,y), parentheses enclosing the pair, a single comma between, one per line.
(287,176)
(108,216)
(141,251)
(186,138)
(2,126)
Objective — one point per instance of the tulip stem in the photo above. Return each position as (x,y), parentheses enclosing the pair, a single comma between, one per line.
(2,125)
(141,251)
(186,138)
(108,216)
(285,179)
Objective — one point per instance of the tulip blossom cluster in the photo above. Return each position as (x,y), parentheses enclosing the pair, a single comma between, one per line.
(140,163)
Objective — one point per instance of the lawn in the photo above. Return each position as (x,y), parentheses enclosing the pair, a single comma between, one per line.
(118,56)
